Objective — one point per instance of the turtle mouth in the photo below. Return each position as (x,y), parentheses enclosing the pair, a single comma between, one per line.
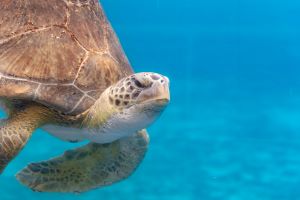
(157,101)
(163,100)
(160,102)
(152,104)
(157,104)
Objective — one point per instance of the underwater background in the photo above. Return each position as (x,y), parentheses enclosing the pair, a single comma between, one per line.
(232,130)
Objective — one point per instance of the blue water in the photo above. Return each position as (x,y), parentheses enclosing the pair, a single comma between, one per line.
(232,131)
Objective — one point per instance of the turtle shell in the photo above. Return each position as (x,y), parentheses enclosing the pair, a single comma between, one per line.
(61,53)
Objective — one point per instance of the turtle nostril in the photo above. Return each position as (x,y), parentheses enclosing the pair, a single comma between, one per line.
(155,77)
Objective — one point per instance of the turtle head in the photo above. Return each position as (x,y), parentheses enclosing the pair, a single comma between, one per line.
(143,90)
(130,105)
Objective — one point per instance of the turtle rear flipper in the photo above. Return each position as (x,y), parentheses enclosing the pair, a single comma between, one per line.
(88,167)
(18,128)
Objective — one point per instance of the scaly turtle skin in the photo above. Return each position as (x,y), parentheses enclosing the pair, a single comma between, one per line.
(62,69)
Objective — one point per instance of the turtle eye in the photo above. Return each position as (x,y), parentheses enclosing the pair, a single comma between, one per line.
(141,85)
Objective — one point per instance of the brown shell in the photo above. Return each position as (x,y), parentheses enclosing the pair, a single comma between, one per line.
(61,53)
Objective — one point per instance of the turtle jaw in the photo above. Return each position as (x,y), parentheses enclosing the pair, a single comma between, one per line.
(152,109)
(161,100)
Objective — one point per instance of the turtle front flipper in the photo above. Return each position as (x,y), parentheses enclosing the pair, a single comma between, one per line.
(18,128)
(88,167)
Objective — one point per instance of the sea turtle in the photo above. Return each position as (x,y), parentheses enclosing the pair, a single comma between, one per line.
(62,69)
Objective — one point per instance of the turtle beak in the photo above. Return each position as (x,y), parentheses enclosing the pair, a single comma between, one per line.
(163,91)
